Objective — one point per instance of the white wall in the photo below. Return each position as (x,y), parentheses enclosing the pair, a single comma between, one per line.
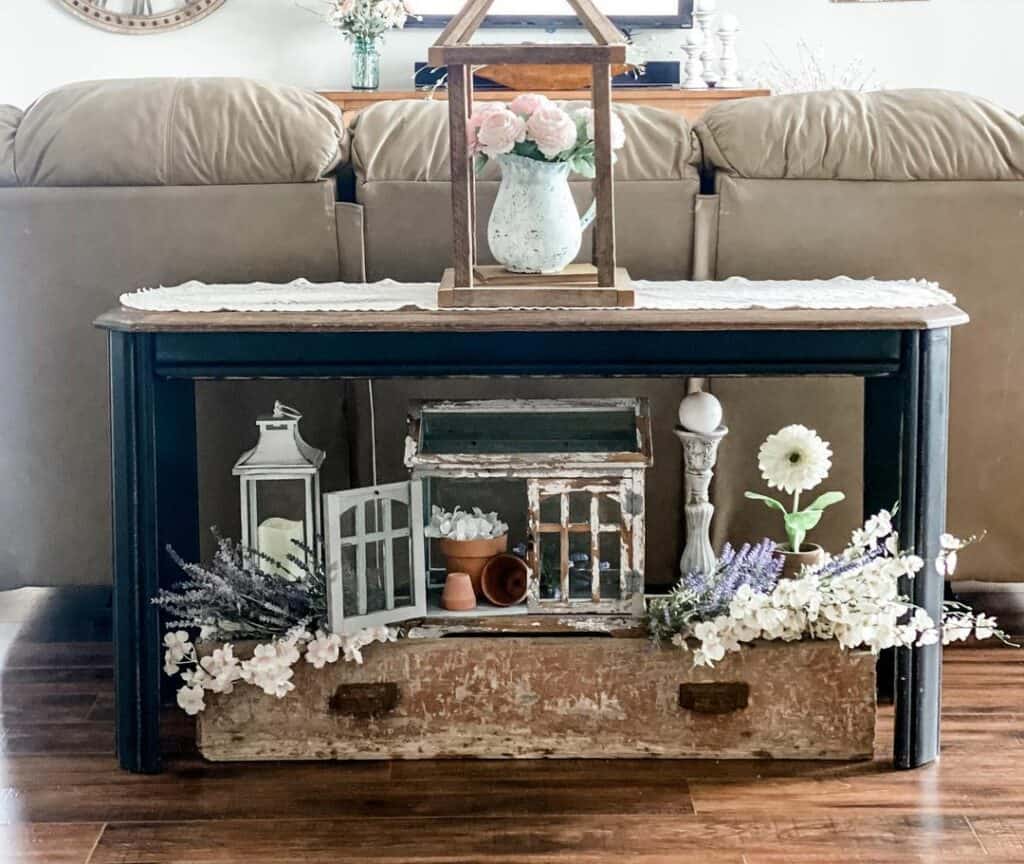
(971,45)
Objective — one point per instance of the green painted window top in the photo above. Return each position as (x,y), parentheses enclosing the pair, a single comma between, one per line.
(612,430)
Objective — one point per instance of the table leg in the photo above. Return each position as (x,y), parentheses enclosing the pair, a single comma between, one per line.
(923,519)
(154,471)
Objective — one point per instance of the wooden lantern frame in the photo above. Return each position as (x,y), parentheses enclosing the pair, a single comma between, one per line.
(600,284)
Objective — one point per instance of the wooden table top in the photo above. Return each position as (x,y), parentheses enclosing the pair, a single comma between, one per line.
(415,320)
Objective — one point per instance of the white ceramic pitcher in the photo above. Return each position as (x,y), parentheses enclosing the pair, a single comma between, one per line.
(534,226)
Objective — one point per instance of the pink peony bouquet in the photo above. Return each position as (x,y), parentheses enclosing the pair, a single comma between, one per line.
(533,126)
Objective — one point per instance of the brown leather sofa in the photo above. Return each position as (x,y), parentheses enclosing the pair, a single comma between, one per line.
(905,183)
(108,186)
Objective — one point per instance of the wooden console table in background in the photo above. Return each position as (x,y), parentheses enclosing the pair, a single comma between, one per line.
(690,103)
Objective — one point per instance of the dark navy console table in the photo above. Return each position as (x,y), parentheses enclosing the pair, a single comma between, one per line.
(155,358)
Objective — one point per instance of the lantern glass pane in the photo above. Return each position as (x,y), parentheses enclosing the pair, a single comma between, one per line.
(579,507)
(403,571)
(280,522)
(376,591)
(579,565)
(280,499)
(550,558)
(348,523)
(609,430)
(374,511)
(502,495)
(551,509)
(608,510)
(348,582)
(399,515)
(611,565)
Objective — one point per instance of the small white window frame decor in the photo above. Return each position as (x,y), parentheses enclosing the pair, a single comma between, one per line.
(346,622)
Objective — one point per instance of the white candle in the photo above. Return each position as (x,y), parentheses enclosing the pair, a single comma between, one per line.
(729,23)
(275,537)
(705,6)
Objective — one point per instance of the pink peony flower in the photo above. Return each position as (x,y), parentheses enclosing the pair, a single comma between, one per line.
(527,103)
(499,131)
(552,129)
(618,130)
(473,124)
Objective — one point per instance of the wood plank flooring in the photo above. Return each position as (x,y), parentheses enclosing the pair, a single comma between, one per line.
(63,799)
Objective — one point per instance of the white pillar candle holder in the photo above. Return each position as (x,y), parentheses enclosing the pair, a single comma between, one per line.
(693,46)
(700,452)
(729,77)
(704,13)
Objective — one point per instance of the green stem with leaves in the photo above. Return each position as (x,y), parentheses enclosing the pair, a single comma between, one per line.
(799,522)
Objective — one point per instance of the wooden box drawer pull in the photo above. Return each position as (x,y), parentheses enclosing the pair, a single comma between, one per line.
(365,700)
(714,698)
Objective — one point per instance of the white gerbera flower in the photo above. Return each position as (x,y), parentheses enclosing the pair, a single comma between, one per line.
(794,459)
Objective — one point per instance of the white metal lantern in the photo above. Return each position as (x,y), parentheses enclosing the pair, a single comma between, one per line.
(279,483)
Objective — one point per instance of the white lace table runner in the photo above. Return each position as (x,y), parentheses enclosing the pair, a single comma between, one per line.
(735,293)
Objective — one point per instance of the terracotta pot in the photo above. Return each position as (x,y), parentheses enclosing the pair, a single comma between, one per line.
(793,562)
(504,580)
(458,594)
(470,556)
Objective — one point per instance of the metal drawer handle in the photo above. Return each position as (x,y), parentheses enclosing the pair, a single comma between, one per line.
(714,698)
(365,700)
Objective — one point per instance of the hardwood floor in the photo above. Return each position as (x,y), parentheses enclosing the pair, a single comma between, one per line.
(63,799)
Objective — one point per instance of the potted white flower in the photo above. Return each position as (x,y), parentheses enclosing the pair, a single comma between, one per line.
(795,460)
(468,540)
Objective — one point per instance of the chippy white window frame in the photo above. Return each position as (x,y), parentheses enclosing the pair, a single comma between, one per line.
(348,621)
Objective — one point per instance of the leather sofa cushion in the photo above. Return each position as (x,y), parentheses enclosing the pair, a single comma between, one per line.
(891,135)
(177,132)
(10,117)
(408,140)
(65,256)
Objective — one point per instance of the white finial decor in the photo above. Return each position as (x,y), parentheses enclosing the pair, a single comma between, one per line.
(700,432)
(692,45)
(729,78)
(704,12)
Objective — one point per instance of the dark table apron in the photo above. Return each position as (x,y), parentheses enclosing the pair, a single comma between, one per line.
(152,374)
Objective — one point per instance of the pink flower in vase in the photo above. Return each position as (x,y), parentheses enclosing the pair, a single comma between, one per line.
(552,129)
(527,103)
(473,124)
(499,132)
